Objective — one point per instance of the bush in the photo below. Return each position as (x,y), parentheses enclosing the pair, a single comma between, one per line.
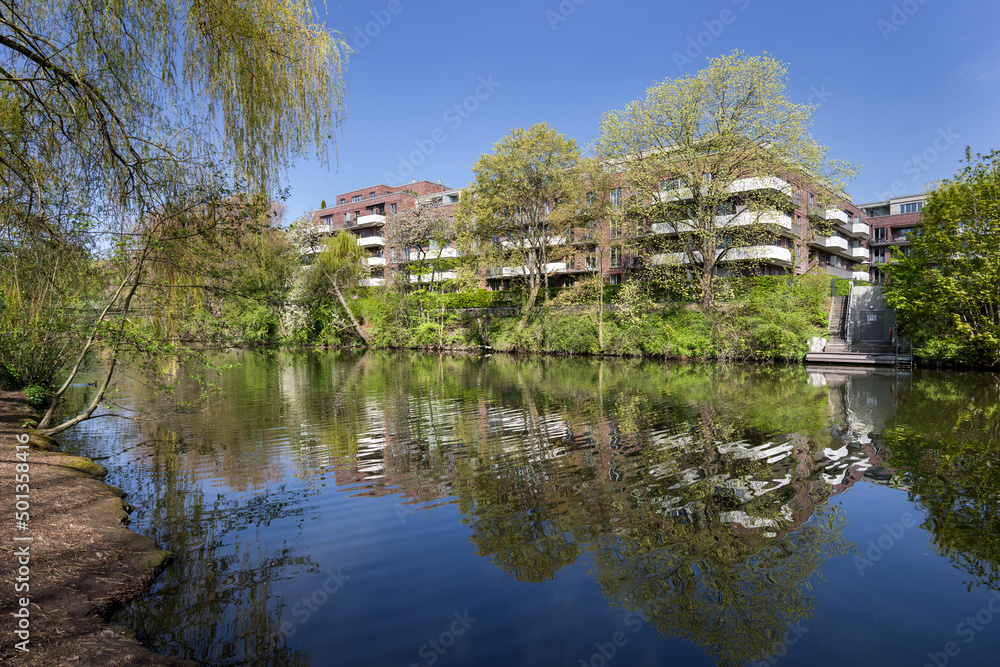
(37,396)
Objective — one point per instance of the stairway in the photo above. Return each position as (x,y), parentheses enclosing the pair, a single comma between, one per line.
(836,330)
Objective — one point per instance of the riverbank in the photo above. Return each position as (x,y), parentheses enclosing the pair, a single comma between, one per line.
(81,563)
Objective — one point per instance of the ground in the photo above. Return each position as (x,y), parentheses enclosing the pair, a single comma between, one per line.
(84,563)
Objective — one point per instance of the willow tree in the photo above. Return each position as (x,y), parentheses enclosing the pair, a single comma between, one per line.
(503,217)
(697,155)
(120,118)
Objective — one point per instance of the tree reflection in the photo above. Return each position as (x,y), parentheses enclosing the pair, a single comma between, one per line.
(946,444)
(214,603)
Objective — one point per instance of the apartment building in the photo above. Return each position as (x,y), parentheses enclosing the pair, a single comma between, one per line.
(807,232)
(364,212)
(893,222)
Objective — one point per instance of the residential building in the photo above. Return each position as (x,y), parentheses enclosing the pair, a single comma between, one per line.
(893,223)
(363,212)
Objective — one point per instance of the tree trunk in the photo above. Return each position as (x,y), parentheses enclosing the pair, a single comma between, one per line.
(532,296)
(343,302)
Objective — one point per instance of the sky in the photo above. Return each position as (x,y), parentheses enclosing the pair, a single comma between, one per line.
(900,87)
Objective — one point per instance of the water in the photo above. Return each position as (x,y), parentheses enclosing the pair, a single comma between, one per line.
(406,509)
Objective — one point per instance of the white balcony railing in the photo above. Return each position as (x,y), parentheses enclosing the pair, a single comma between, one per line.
(769,253)
(859,253)
(376,261)
(838,215)
(831,242)
(372,282)
(370,219)
(371,242)
(859,275)
(742,218)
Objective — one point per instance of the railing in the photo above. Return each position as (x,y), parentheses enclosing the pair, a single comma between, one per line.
(849,317)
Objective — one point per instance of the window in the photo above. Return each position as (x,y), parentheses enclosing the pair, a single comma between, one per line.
(616,228)
(911,207)
(591,259)
(347,217)
(615,279)
(904,233)
(726,208)
(355,198)
(342,200)
(878,255)
(371,195)
(392,208)
(591,199)
(671,184)
(616,198)
(880,234)
(616,257)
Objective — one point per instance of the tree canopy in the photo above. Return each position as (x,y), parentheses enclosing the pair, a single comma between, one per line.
(503,217)
(124,128)
(683,149)
(945,291)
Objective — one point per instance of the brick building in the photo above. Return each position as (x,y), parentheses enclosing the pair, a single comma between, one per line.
(363,212)
(893,223)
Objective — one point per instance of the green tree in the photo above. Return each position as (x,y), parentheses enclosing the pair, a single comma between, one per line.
(342,264)
(945,291)
(504,217)
(697,155)
(118,121)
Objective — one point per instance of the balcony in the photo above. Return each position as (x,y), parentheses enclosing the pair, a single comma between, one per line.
(438,277)
(763,183)
(370,219)
(856,229)
(376,261)
(372,282)
(371,242)
(860,254)
(837,215)
(831,243)
(859,275)
(777,218)
(770,254)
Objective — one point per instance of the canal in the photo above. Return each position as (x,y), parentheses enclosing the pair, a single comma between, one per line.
(410,509)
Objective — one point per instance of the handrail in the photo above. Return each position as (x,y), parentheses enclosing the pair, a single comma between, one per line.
(848,315)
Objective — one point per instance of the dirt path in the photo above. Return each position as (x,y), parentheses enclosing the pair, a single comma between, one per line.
(80,564)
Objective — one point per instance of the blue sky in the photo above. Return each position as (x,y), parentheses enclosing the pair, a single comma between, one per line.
(902,87)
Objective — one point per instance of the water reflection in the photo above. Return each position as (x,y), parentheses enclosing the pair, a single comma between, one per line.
(699,496)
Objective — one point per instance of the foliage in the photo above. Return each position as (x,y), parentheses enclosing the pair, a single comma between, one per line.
(682,149)
(945,291)
(126,129)
(504,218)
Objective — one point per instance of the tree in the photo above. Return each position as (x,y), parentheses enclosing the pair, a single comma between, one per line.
(342,263)
(682,150)
(503,218)
(945,291)
(118,121)
(420,235)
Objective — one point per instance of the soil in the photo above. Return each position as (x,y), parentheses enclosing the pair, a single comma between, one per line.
(84,563)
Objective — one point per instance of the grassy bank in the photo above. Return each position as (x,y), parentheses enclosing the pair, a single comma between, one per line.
(761,319)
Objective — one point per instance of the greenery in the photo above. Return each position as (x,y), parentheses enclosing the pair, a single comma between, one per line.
(140,143)
(945,292)
(683,149)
